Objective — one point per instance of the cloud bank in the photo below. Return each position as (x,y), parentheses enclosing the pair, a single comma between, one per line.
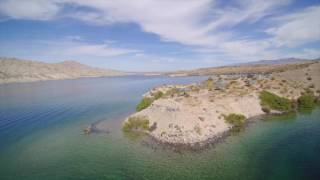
(243,29)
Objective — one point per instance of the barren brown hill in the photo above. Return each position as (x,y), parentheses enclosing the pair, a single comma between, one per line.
(239,69)
(15,70)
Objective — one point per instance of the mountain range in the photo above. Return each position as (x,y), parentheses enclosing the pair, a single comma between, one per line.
(15,70)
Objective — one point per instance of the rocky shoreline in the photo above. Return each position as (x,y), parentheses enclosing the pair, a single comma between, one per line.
(157,144)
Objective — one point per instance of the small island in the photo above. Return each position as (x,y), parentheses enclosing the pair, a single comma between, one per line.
(199,113)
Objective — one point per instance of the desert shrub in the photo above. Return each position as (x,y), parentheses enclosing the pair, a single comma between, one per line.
(153,127)
(308,91)
(136,123)
(195,88)
(233,82)
(266,110)
(272,101)
(157,95)
(235,119)
(172,92)
(197,129)
(306,101)
(144,103)
(185,94)
(309,78)
(311,86)
(147,101)
(208,84)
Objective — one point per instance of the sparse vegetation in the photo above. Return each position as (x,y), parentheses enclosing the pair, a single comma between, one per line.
(136,123)
(274,102)
(306,101)
(235,119)
(197,129)
(266,110)
(311,86)
(185,94)
(308,91)
(144,103)
(195,88)
(147,101)
(208,84)
(172,92)
(157,95)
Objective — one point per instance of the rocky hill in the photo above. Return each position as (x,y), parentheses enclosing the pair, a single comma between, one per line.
(16,70)
(277,61)
(247,68)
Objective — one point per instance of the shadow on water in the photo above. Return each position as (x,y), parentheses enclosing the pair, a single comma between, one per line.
(306,111)
(290,116)
(237,130)
(135,136)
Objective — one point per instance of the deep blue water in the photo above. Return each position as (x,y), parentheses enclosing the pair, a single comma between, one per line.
(41,137)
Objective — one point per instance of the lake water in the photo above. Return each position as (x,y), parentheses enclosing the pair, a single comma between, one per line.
(41,137)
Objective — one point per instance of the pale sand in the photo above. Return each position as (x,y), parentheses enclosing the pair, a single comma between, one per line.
(182,122)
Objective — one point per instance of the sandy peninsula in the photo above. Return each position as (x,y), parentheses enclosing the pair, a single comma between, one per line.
(193,114)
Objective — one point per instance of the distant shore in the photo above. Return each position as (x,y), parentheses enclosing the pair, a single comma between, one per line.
(21,71)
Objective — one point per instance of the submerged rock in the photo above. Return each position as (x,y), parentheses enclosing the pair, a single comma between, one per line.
(88,129)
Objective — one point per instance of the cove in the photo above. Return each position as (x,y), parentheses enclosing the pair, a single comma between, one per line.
(41,137)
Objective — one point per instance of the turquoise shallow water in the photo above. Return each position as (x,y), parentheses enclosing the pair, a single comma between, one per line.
(41,137)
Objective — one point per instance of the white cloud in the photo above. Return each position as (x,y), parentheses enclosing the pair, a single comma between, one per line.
(203,24)
(307,54)
(100,50)
(248,11)
(297,28)
(69,47)
(193,22)
(31,9)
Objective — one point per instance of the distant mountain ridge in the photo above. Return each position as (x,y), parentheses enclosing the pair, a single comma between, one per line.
(16,70)
(263,66)
(277,61)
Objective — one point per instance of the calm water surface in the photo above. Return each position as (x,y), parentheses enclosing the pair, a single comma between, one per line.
(41,137)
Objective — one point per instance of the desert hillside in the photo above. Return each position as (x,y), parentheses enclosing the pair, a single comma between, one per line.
(15,70)
(246,68)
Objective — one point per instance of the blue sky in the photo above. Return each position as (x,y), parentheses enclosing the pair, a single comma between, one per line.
(159,35)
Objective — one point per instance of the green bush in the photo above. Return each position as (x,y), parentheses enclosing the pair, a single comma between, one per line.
(171,92)
(147,101)
(208,84)
(136,123)
(157,95)
(306,101)
(144,103)
(235,119)
(274,102)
